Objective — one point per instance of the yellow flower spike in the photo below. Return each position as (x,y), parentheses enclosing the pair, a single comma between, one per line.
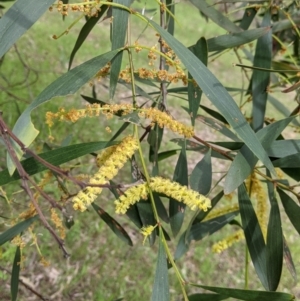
(228,242)
(191,198)
(146,231)
(221,211)
(163,119)
(103,156)
(112,163)
(131,196)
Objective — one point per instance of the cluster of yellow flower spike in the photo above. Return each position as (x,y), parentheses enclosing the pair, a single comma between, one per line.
(89,9)
(113,162)
(155,115)
(191,198)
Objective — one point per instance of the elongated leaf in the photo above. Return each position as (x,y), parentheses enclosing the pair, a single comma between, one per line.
(177,209)
(113,225)
(14,282)
(199,231)
(235,39)
(16,229)
(291,161)
(118,34)
(194,92)
(292,210)
(161,282)
(55,157)
(217,94)
(248,295)
(68,83)
(18,19)
(154,139)
(201,177)
(170,19)
(84,32)
(274,250)
(207,297)
(248,17)
(283,148)
(219,126)
(214,114)
(216,16)
(260,79)
(245,160)
(253,234)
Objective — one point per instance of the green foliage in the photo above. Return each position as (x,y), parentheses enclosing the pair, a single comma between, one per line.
(154,91)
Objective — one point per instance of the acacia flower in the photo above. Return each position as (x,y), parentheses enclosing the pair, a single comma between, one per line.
(131,196)
(163,119)
(191,198)
(228,242)
(111,164)
(146,231)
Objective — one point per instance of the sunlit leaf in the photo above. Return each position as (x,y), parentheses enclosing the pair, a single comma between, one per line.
(260,79)
(118,34)
(18,19)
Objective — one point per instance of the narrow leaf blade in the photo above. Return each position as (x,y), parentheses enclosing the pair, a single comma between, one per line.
(113,225)
(253,234)
(161,282)
(14,283)
(15,230)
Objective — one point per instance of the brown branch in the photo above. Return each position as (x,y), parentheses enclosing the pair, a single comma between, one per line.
(216,149)
(25,179)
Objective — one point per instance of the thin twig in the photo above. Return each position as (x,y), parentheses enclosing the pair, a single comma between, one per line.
(25,179)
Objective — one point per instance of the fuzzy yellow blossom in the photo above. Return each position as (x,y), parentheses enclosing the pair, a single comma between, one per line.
(18,241)
(72,115)
(258,192)
(146,231)
(221,211)
(31,211)
(228,242)
(44,262)
(163,119)
(191,198)
(103,156)
(131,196)
(58,223)
(107,171)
